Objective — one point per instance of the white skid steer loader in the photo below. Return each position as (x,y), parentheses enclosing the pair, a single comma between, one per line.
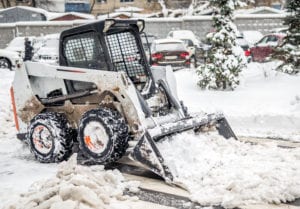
(103,97)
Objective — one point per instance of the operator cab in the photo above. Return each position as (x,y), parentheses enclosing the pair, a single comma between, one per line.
(110,45)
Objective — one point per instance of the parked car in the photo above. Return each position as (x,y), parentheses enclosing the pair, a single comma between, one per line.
(241,41)
(46,49)
(190,39)
(8,59)
(170,52)
(14,51)
(252,36)
(147,40)
(264,48)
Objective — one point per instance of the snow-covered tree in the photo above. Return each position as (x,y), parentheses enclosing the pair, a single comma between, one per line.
(226,58)
(289,51)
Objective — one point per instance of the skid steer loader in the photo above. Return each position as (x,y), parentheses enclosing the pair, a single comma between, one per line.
(104,97)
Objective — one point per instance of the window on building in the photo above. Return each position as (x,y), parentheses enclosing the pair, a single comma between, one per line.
(126,0)
(102,1)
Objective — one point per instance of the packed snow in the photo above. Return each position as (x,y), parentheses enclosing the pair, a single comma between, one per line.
(77,187)
(266,104)
(232,173)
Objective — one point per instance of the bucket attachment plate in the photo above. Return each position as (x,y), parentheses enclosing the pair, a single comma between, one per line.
(194,123)
(147,154)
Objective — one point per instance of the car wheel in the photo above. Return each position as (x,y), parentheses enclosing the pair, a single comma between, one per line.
(193,62)
(253,58)
(5,63)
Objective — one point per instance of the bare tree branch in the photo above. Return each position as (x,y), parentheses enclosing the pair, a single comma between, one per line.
(8,3)
(92,6)
(3,4)
(33,3)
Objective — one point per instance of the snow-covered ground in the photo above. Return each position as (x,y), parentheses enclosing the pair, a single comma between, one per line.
(266,104)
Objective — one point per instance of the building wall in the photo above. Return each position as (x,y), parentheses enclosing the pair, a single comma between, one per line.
(12,3)
(17,14)
(108,6)
(178,4)
(268,3)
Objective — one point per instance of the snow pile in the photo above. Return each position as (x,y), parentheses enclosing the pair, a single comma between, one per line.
(77,187)
(232,173)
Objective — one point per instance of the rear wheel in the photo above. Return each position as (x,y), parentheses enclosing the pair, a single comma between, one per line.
(5,63)
(253,58)
(50,137)
(193,62)
(103,135)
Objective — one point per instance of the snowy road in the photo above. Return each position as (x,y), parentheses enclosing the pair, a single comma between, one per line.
(266,104)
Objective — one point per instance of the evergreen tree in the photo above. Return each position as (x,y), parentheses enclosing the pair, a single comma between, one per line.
(226,58)
(289,51)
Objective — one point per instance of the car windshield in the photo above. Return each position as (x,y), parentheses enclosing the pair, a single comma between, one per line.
(175,46)
(188,42)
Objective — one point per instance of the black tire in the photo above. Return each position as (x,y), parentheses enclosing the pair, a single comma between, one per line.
(252,58)
(5,63)
(112,129)
(194,63)
(52,131)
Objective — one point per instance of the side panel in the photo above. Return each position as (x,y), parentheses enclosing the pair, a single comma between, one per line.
(24,98)
(116,82)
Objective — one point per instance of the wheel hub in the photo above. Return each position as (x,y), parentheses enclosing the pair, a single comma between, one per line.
(95,137)
(3,63)
(42,139)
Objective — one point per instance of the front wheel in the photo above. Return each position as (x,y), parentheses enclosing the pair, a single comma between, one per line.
(50,137)
(5,63)
(103,135)
(193,62)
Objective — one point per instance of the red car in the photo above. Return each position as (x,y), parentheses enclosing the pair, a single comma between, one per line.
(264,48)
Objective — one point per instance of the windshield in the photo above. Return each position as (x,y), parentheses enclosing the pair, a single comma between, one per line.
(170,47)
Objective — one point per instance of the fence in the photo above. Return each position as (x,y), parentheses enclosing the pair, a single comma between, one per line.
(200,25)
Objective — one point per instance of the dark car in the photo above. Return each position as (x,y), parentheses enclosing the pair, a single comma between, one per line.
(205,46)
(170,52)
(245,46)
(264,48)
(147,40)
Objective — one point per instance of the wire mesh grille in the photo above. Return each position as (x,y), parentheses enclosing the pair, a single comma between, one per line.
(125,54)
(85,51)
